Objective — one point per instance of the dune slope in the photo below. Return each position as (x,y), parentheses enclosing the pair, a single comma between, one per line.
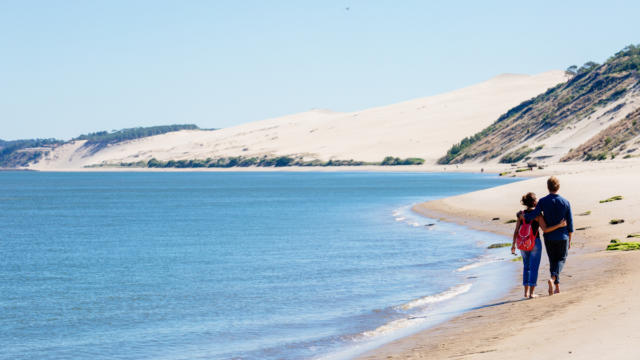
(592,116)
(424,128)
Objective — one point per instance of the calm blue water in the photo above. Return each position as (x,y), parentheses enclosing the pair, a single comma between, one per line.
(228,265)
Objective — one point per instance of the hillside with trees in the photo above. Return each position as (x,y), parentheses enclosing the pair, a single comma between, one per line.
(100,139)
(599,103)
(19,153)
(16,153)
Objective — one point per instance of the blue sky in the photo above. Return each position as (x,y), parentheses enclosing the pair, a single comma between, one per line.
(72,67)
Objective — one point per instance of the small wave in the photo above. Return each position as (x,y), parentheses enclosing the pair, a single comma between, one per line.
(400,218)
(390,326)
(412,320)
(476,264)
(430,299)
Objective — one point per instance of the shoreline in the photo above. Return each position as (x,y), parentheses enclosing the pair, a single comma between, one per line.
(508,170)
(585,319)
(475,280)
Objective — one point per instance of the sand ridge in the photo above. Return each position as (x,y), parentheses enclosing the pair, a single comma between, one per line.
(424,127)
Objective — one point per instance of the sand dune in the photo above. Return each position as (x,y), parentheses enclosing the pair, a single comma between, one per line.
(424,127)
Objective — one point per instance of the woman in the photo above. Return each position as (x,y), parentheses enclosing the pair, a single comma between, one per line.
(531,259)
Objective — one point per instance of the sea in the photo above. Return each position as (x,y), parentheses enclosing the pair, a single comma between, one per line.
(233,265)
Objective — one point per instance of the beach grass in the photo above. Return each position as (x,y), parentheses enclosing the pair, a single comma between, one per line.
(518,258)
(510,221)
(498,245)
(616,221)
(588,212)
(613,198)
(616,245)
(634,235)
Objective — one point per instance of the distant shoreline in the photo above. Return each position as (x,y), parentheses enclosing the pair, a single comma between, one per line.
(506,170)
(14,169)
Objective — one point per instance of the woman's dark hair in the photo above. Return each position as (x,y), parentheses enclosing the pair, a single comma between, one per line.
(529,199)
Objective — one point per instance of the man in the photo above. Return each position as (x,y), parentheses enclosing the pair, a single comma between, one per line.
(554,209)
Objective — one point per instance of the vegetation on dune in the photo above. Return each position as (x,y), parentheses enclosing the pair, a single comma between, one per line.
(100,139)
(225,162)
(613,198)
(264,161)
(390,160)
(517,258)
(634,235)
(17,153)
(603,145)
(511,221)
(616,221)
(591,86)
(519,154)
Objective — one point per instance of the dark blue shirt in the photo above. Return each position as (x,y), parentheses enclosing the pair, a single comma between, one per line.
(554,208)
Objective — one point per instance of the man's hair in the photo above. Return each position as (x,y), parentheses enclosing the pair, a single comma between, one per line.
(553,184)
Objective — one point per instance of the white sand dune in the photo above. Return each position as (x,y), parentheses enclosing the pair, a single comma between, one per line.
(424,127)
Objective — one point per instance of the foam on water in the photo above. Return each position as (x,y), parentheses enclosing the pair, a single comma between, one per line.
(431,299)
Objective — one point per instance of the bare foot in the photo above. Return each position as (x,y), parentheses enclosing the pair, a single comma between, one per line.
(532,296)
(550,283)
(557,291)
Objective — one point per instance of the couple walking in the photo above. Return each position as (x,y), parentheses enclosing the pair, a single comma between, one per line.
(551,209)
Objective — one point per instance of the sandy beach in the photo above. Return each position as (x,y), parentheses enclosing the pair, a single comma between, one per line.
(594,317)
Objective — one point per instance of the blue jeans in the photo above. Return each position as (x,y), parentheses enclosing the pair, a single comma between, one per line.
(557,251)
(531,262)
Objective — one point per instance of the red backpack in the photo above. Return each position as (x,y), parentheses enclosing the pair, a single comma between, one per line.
(526,239)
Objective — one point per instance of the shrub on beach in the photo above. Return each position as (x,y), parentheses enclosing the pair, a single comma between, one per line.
(613,198)
(498,245)
(623,246)
(283,161)
(390,160)
(264,161)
